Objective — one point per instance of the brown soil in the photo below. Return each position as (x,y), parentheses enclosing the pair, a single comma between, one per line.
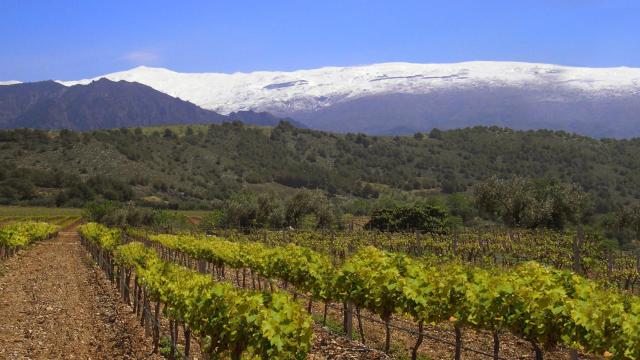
(55,304)
(437,345)
(440,343)
(331,346)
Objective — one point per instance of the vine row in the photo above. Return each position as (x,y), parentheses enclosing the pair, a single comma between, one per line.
(227,320)
(14,236)
(537,303)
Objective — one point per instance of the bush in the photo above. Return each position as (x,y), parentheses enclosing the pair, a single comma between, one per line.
(424,218)
(212,221)
(114,214)
(246,210)
(521,202)
(94,211)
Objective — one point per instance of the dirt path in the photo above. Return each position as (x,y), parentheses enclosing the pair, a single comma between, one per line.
(54,304)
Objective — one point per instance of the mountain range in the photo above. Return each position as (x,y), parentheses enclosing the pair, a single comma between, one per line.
(401,98)
(105,104)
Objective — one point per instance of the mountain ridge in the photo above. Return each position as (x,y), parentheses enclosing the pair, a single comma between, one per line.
(347,99)
(423,77)
(104,104)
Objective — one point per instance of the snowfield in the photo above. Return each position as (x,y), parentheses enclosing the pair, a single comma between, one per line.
(310,90)
(10,82)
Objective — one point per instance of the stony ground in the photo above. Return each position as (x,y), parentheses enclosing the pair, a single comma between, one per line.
(54,304)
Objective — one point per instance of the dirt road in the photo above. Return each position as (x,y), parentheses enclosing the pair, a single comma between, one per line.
(55,305)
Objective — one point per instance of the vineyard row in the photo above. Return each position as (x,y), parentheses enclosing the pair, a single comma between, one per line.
(541,305)
(226,320)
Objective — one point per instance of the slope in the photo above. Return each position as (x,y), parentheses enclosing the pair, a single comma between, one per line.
(103,104)
(204,164)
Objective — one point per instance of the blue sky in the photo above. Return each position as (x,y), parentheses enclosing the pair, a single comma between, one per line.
(75,39)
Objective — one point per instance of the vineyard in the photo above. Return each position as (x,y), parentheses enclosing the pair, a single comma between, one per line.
(584,253)
(17,235)
(493,294)
(346,180)
(55,304)
(540,305)
(19,231)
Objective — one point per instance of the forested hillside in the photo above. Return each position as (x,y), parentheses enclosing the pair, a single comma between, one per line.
(192,166)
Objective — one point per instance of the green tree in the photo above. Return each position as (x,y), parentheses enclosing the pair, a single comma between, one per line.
(307,202)
(520,202)
(426,218)
(241,211)
(624,225)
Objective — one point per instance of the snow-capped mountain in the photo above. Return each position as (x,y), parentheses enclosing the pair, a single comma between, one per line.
(405,97)
(10,82)
(305,90)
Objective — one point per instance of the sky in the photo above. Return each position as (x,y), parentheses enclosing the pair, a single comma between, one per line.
(74,39)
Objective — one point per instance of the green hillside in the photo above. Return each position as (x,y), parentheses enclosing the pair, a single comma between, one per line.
(195,166)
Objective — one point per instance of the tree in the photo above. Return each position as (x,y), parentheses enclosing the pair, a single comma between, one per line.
(425,218)
(435,134)
(169,134)
(284,126)
(624,225)
(241,211)
(460,205)
(519,202)
(212,221)
(307,202)
(451,184)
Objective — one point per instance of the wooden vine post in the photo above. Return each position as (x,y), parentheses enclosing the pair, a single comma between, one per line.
(578,241)
(348,318)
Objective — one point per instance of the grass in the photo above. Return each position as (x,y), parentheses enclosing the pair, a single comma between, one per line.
(405,356)
(165,348)
(194,213)
(181,129)
(333,326)
(26,211)
(37,211)
(40,211)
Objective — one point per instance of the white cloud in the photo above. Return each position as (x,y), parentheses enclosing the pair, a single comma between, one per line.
(141,57)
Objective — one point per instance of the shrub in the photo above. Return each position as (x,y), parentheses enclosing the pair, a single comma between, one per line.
(425,218)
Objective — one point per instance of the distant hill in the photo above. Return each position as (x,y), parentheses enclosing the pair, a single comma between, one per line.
(104,104)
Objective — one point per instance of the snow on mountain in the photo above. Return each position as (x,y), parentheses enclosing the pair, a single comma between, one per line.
(10,82)
(315,89)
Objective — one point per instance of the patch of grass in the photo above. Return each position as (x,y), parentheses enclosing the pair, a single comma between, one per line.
(196,213)
(28,211)
(401,355)
(181,130)
(164,346)
(334,326)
